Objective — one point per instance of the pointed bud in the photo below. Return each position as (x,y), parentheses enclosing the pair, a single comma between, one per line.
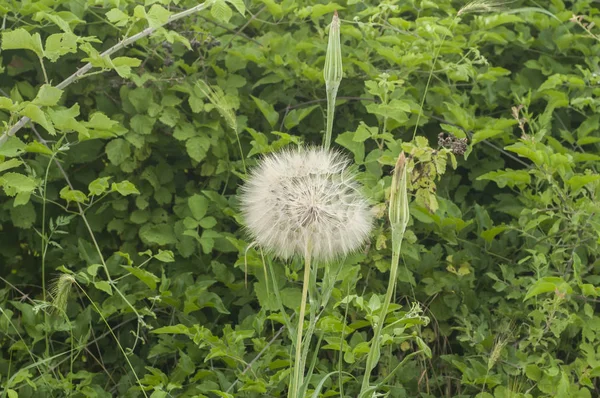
(333,58)
(399,214)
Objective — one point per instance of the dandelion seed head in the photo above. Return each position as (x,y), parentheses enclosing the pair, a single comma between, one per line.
(303,198)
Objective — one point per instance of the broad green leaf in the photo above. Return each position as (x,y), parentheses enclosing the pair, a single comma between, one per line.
(166,256)
(98,186)
(23,216)
(578,181)
(22,39)
(148,278)
(546,285)
(172,329)
(239,5)
(221,11)
(14,183)
(12,147)
(123,65)
(73,195)
(37,115)
(484,134)
(104,286)
(59,44)
(38,147)
(295,116)
(157,16)
(117,17)
(491,233)
(48,96)
(118,150)
(160,234)
(197,147)
(124,188)
(9,164)
(267,110)
(198,205)
(508,177)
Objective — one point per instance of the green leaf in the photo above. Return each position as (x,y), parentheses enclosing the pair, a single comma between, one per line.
(37,115)
(23,216)
(507,177)
(14,183)
(38,147)
(548,284)
(9,164)
(22,39)
(118,150)
(124,188)
(166,256)
(157,16)
(239,5)
(295,116)
(117,17)
(172,329)
(72,195)
(98,186)
(197,147)
(221,11)
(578,181)
(147,277)
(160,234)
(104,286)
(12,147)
(267,110)
(198,205)
(59,44)
(123,65)
(48,96)
(491,233)
(484,134)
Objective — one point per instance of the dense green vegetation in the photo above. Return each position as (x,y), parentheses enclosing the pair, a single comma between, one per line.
(125,269)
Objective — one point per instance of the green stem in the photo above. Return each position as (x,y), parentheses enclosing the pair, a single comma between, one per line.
(374,350)
(331,95)
(298,363)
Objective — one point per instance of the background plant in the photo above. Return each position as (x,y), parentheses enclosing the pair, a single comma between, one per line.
(502,253)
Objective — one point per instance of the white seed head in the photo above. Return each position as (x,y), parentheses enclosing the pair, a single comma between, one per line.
(305,198)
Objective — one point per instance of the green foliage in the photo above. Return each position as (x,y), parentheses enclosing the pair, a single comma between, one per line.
(125,269)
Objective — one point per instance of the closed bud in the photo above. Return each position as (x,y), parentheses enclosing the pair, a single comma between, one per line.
(333,57)
(399,214)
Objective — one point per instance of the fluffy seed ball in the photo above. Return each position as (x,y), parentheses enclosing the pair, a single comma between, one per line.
(303,197)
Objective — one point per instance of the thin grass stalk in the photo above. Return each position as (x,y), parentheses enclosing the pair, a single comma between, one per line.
(298,371)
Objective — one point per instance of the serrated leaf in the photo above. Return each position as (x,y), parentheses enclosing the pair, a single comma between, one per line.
(157,16)
(22,39)
(98,186)
(37,115)
(124,188)
(578,181)
(48,96)
(10,164)
(117,17)
(59,44)
(239,5)
(72,195)
(197,147)
(221,11)
(118,151)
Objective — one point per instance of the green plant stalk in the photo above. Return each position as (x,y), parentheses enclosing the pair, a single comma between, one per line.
(298,371)
(331,96)
(373,357)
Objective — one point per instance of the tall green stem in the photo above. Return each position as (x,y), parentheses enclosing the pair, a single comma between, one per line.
(374,351)
(331,95)
(298,372)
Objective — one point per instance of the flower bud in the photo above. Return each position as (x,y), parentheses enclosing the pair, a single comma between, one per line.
(399,213)
(333,58)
